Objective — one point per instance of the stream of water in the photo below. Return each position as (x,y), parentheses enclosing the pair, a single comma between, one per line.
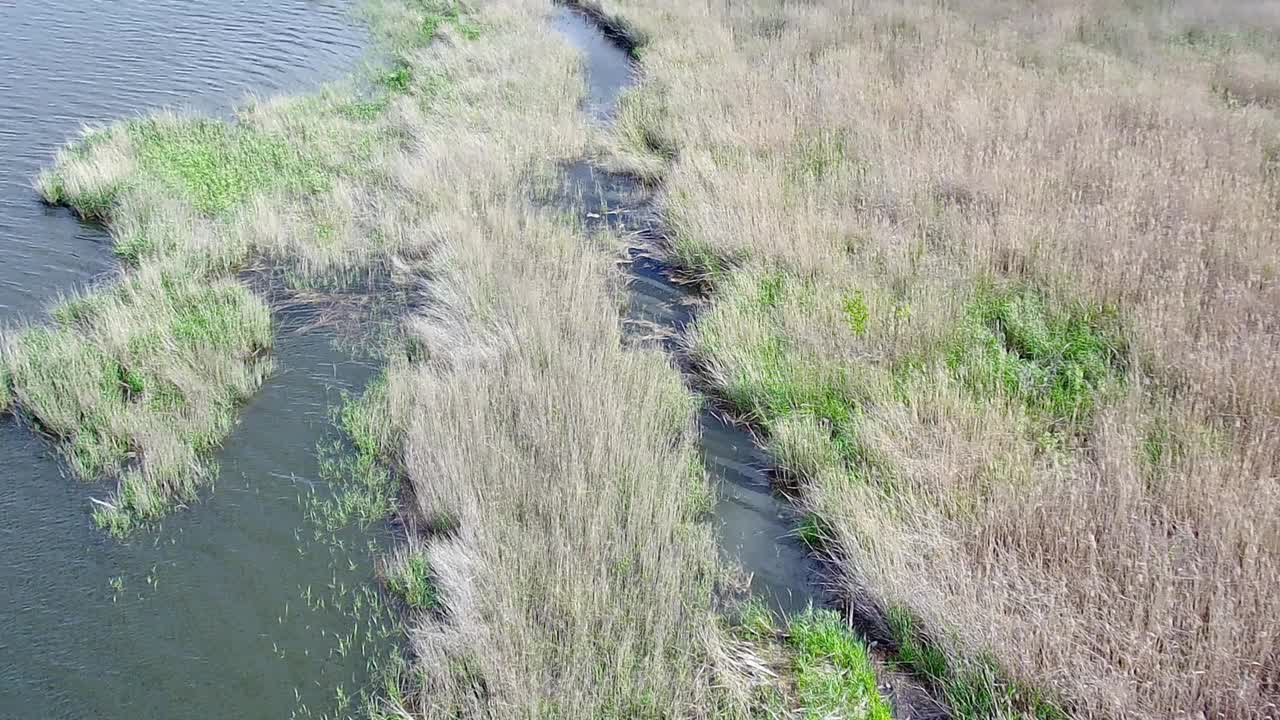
(754,524)
(207,615)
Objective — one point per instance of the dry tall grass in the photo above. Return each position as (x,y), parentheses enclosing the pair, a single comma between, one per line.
(556,563)
(1110,170)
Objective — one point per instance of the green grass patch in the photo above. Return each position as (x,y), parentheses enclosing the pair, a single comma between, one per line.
(1059,362)
(1055,363)
(219,165)
(142,380)
(700,500)
(213,164)
(833,673)
(766,376)
(823,668)
(411,580)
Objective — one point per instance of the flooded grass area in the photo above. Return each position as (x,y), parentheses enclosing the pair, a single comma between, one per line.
(210,601)
(206,608)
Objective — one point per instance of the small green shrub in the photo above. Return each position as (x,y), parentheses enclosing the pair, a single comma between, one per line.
(856,312)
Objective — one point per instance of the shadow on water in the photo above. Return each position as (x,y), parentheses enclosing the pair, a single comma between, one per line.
(206,615)
(754,523)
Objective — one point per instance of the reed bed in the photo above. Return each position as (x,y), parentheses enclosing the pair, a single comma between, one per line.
(998,282)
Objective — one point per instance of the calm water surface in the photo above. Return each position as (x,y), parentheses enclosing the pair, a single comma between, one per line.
(209,617)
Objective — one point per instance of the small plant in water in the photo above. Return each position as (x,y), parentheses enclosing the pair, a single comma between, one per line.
(117,586)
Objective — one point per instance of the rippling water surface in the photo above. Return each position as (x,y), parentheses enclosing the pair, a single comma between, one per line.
(207,616)
(65,64)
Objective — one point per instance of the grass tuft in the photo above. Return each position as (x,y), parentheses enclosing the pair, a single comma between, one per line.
(410,579)
(141,380)
(833,674)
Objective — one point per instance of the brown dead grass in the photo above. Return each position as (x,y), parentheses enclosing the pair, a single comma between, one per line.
(551,474)
(1119,156)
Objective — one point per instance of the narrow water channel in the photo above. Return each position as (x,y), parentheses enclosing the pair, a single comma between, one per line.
(206,616)
(754,524)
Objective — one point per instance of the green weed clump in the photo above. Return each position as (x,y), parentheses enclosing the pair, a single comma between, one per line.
(140,381)
(1058,362)
(826,669)
(410,579)
(214,165)
(833,674)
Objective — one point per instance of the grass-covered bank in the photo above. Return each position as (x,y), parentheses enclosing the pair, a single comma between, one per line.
(998,283)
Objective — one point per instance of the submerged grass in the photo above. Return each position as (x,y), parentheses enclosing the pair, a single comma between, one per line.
(364,487)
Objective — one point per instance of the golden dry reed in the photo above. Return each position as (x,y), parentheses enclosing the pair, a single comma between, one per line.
(1000,281)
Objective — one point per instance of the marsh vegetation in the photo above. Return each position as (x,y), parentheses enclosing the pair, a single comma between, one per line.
(995,283)
(998,283)
(555,561)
